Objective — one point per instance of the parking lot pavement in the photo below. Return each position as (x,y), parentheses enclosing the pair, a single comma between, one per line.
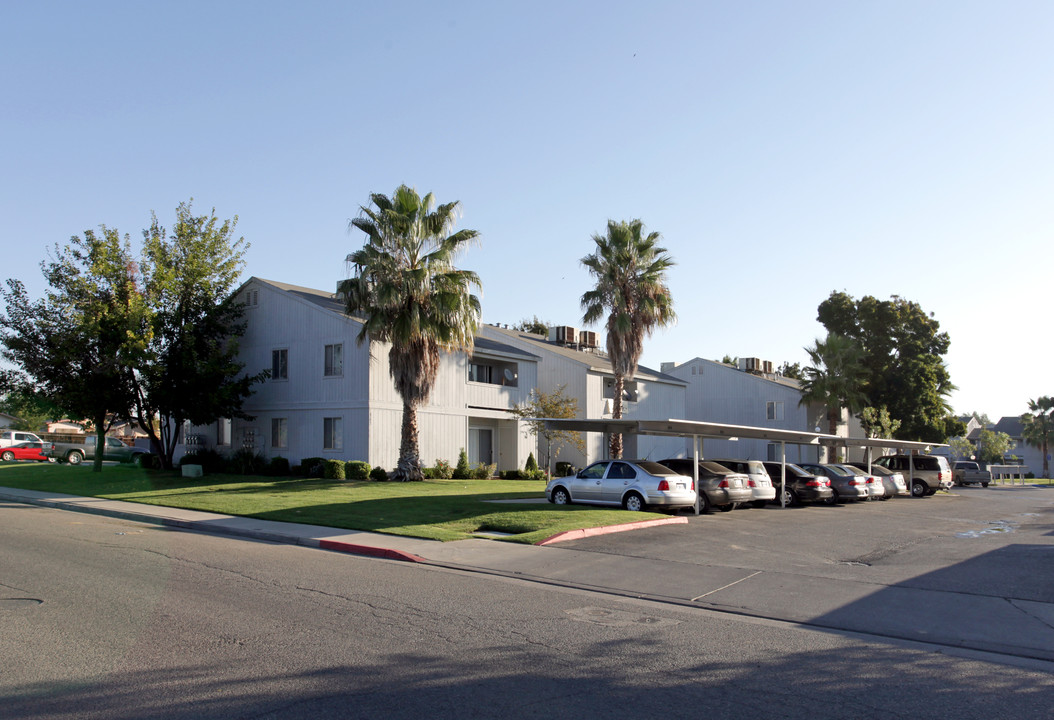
(973,569)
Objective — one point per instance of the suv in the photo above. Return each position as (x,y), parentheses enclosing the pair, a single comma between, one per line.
(13,437)
(801,486)
(760,483)
(932,472)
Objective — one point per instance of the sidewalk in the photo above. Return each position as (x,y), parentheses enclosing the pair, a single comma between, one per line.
(1017,628)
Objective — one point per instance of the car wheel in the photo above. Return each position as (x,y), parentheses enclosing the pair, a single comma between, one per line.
(704,503)
(633,502)
(760,503)
(51,459)
(75,457)
(8,456)
(789,498)
(560,496)
(137,459)
(727,508)
(918,488)
(984,484)
(833,500)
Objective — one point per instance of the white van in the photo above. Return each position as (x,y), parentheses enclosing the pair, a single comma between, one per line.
(13,437)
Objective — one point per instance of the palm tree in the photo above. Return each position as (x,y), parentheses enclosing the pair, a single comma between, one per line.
(630,271)
(1037,427)
(408,293)
(833,378)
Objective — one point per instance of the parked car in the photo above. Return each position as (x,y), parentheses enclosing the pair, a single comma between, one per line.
(13,437)
(800,486)
(719,487)
(847,486)
(932,472)
(967,472)
(26,451)
(891,480)
(758,479)
(632,484)
(875,489)
(76,453)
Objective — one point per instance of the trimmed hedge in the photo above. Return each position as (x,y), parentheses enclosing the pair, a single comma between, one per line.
(378,473)
(356,470)
(333,469)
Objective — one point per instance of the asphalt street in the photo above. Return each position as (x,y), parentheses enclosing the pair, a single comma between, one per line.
(112,618)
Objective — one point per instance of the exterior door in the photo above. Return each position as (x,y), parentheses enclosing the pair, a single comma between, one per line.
(480,446)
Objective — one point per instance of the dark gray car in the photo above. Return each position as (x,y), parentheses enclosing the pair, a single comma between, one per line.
(847,486)
(720,487)
(800,486)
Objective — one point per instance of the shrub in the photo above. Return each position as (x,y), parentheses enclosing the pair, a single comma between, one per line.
(443,471)
(296,470)
(462,471)
(536,475)
(210,460)
(149,461)
(333,469)
(278,467)
(429,473)
(356,470)
(246,461)
(482,472)
(532,464)
(311,466)
(511,474)
(378,473)
(563,469)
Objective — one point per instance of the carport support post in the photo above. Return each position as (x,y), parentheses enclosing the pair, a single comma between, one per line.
(783,473)
(695,471)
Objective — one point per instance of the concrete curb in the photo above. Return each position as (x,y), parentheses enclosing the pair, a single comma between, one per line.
(608,529)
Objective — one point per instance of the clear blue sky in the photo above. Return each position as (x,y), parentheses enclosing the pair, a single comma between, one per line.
(783,149)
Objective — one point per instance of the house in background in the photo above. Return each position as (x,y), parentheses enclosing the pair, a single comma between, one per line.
(1030,456)
(328,396)
(7,420)
(752,395)
(570,357)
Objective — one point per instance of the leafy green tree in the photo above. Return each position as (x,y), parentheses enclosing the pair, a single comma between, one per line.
(790,370)
(534,325)
(630,272)
(993,446)
(408,293)
(190,372)
(1037,427)
(730,360)
(834,378)
(32,410)
(961,448)
(75,346)
(541,405)
(903,359)
(877,423)
(462,470)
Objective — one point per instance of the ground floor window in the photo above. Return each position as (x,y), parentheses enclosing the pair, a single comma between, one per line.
(332,433)
(223,431)
(481,446)
(279,433)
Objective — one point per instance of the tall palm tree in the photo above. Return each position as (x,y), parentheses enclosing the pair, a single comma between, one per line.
(408,293)
(1037,427)
(630,272)
(833,378)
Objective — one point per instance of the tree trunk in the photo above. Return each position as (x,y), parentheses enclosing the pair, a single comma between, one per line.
(616,414)
(409,467)
(100,443)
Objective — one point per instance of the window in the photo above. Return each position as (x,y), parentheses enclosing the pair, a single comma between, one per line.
(478,372)
(223,431)
(774,410)
(332,433)
(334,360)
(280,364)
(279,433)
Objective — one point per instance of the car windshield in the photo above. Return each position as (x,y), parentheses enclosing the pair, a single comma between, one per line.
(715,468)
(839,470)
(654,468)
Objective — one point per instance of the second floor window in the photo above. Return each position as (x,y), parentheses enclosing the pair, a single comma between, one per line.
(334,360)
(280,364)
(478,372)
(774,410)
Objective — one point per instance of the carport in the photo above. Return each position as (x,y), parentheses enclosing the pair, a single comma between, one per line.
(908,447)
(699,431)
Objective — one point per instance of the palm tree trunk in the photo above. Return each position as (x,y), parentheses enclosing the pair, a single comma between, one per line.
(616,414)
(409,467)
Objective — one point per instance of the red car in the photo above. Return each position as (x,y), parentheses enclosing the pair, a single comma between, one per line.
(25,451)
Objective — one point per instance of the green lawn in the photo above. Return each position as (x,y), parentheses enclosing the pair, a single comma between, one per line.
(435,509)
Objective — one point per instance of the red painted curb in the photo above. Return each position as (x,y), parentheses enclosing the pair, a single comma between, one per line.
(369,550)
(606,529)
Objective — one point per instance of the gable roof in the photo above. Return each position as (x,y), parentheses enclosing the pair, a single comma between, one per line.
(1010,425)
(773,378)
(595,361)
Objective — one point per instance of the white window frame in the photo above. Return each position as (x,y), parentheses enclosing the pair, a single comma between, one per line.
(280,364)
(223,432)
(280,432)
(774,410)
(333,433)
(333,360)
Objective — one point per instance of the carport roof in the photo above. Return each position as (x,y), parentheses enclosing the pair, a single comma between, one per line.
(698,428)
(687,428)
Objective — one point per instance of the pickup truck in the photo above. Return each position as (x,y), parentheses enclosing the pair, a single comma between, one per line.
(965,472)
(76,453)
